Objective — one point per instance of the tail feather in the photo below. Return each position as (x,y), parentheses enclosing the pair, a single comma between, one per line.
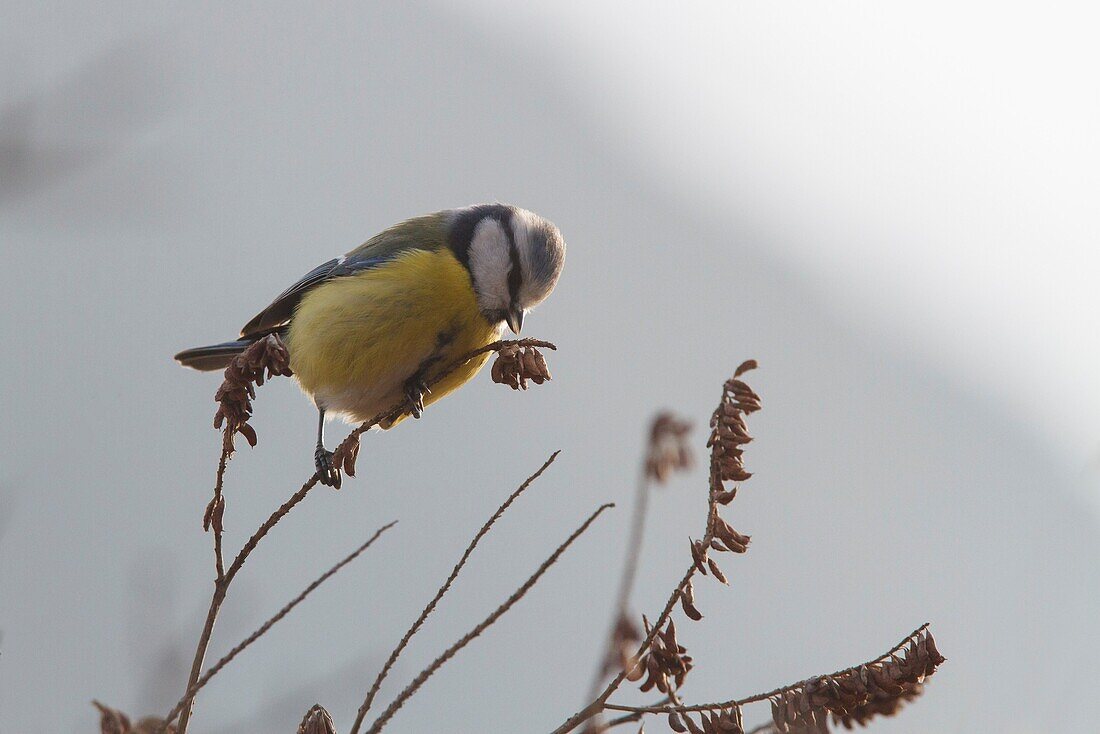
(213,357)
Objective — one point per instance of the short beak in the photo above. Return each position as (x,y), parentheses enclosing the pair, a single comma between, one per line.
(515,319)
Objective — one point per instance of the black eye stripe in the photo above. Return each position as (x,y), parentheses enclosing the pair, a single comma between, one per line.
(515,275)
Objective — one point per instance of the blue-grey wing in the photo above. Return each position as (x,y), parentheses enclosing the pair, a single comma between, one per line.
(280,310)
(426,233)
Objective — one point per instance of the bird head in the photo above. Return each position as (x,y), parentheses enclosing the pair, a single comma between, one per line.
(514,257)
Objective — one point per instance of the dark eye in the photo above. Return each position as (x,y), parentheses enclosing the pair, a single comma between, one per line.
(515,276)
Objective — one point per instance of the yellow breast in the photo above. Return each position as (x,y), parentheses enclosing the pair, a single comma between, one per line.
(355,340)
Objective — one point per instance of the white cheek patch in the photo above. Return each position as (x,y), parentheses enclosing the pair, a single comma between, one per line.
(490,261)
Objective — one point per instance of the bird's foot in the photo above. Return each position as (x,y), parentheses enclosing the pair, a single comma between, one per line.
(327,472)
(415,390)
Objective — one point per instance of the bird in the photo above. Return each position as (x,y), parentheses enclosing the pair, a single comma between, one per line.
(363,331)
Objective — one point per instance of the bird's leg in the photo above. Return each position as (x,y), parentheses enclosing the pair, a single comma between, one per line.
(416,387)
(327,473)
(415,390)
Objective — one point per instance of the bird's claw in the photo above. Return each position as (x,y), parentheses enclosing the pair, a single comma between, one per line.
(327,472)
(415,390)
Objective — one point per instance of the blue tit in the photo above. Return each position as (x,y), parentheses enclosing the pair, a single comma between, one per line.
(365,330)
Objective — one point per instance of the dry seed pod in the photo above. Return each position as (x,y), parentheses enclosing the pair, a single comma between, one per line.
(666,662)
(699,556)
(668,635)
(345,455)
(729,431)
(856,695)
(692,726)
(215,510)
(112,721)
(264,358)
(687,601)
(725,496)
(730,722)
(534,366)
(748,364)
(620,655)
(675,723)
(317,721)
(515,365)
(714,569)
(497,370)
(778,718)
(734,541)
(667,450)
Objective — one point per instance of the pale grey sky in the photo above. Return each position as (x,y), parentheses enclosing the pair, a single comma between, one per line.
(888,207)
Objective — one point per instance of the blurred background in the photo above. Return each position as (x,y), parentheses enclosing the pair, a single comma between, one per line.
(889,205)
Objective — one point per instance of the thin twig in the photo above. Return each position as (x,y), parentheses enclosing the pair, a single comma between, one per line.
(664,709)
(214,669)
(630,718)
(365,707)
(216,600)
(216,522)
(450,652)
(212,520)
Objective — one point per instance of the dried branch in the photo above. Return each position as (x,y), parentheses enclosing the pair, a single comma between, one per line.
(266,358)
(880,687)
(728,434)
(450,652)
(369,700)
(854,694)
(244,644)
